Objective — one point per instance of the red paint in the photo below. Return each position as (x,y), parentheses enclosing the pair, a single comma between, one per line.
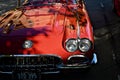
(8,43)
(49,31)
(117,6)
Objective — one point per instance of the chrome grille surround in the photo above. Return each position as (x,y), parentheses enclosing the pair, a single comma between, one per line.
(46,63)
(78,59)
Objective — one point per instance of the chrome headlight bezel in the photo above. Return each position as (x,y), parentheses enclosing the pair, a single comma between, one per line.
(84,45)
(71,45)
(27,44)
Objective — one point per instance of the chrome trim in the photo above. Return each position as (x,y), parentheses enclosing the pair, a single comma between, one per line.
(31,55)
(1,72)
(75,56)
(25,60)
(78,27)
(82,40)
(27,44)
(70,39)
(94,60)
(75,67)
(78,40)
(67,41)
(56,72)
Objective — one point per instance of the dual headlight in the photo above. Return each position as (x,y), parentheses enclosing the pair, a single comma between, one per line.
(83,45)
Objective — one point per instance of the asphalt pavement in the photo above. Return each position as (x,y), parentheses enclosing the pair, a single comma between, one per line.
(106,25)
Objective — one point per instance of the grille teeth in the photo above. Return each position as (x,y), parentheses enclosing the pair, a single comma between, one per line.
(29,60)
(44,63)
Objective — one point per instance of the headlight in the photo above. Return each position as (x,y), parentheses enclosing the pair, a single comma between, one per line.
(85,45)
(27,44)
(71,45)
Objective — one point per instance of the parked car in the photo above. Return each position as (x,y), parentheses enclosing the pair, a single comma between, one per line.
(117,6)
(45,37)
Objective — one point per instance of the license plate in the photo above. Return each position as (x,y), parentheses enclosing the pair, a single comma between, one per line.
(26,75)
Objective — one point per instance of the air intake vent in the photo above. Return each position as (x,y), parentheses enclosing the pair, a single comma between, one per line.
(29,60)
(46,63)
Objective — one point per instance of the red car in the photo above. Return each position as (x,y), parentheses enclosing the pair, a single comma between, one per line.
(45,37)
(117,6)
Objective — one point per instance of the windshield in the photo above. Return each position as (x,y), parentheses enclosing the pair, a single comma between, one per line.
(54,1)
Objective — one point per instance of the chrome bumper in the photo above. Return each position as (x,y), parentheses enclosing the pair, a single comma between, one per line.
(51,68)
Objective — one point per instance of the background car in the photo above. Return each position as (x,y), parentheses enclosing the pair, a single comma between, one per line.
(117,6)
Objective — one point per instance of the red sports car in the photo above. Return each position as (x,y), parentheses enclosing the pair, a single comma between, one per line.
(45,36)
(117,6)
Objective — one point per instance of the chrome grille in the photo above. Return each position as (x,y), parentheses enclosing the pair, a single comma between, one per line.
(30,60)
(43,62)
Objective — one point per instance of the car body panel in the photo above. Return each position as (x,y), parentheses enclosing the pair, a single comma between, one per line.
(117,6)
(48,27)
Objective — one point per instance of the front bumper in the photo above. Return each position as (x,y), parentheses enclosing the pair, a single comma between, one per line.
(45,64)
(56,71)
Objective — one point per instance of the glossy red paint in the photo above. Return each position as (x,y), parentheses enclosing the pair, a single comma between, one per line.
(117,6)
(48,29)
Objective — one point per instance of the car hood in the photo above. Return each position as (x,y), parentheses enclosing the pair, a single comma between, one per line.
(39,20)
(48,28)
